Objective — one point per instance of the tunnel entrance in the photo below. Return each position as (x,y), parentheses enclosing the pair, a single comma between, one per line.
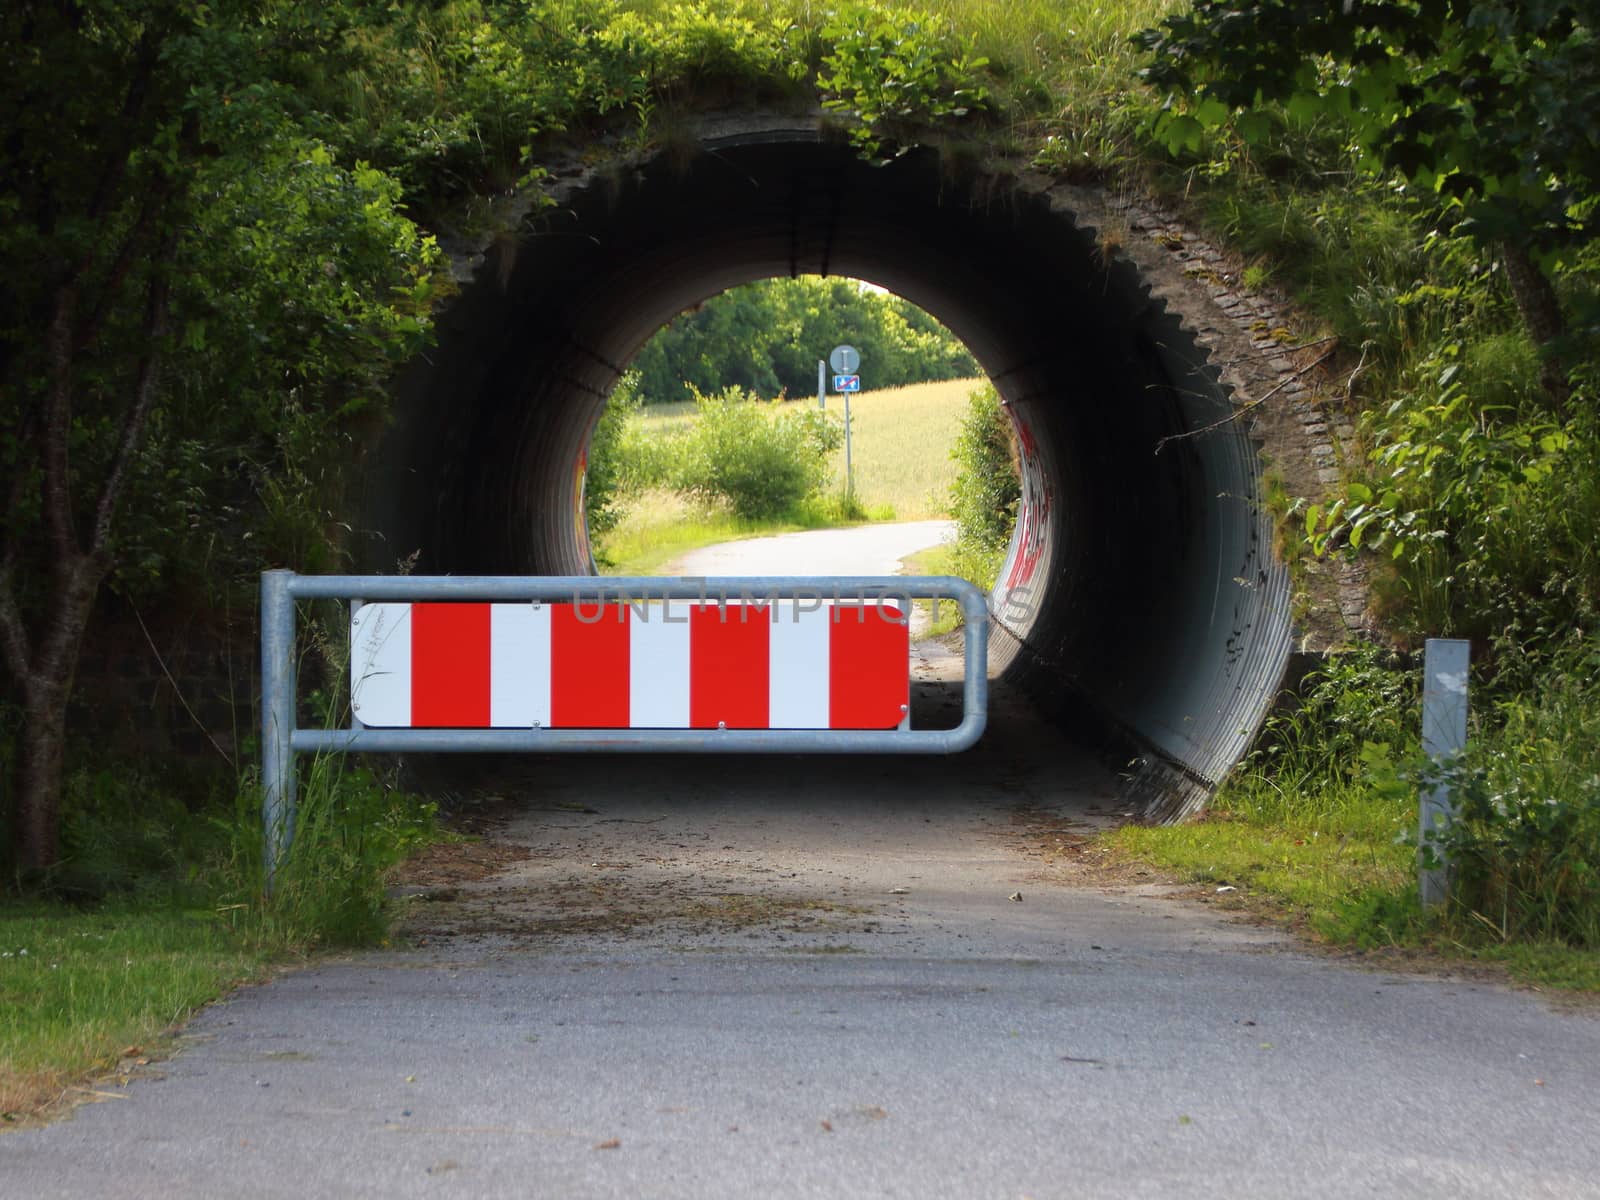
(1139,604)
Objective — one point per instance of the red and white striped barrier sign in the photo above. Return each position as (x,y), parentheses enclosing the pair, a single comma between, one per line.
(678,664)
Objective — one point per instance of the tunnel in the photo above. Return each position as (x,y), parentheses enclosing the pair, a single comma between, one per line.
(1140,604)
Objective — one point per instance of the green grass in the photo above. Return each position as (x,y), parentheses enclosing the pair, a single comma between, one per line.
(81,989)
(661,526)
(941,560)
(1329,861)
(1315,857)
(900,453)
(900,445)
(179,914)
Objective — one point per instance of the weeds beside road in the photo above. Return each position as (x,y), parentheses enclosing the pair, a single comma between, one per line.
(1318,827)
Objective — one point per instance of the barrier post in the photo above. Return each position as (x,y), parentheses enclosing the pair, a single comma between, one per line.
(277,718)
(1444,736)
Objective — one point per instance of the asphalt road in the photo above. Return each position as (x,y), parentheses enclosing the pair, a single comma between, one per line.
(859,550)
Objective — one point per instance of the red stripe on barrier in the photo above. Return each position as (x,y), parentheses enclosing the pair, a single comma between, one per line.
(869,667)
(589,666)
(728,665)
(450,666)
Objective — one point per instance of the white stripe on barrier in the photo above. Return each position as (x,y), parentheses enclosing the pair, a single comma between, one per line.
(519,665)
(380,664)
(658,665)
(798,658)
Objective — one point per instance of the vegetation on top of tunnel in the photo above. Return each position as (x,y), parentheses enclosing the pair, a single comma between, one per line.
(243,208)
(242,203)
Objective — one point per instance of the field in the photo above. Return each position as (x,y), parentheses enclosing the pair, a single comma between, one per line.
(900,443)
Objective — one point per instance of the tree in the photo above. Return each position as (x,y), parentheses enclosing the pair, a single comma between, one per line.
(767,337)
(190,275)
(1490,103)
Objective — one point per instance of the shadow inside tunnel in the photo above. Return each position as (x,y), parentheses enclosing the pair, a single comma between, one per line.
(1022,760)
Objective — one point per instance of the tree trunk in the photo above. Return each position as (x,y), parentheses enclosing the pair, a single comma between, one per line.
(46,688)
(39,779)
(1540,309)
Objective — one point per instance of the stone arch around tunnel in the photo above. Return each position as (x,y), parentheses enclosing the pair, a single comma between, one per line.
(1140,601)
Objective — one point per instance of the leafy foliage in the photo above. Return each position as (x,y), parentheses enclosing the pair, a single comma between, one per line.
(1355,717)
(893,69)
(610,458)
(987,487)
(177,232)
(1525,843)
(1484,101)
(1487,525)
(767,337)
(758,458)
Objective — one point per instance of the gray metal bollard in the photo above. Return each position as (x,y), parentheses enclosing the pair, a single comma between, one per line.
(1444,735)
(277,718)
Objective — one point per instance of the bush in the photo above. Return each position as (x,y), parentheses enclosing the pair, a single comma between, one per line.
(1484,522)
(761,459)
(1525,842)
(610,460)
(129,831)
(1353,705)
(987,487)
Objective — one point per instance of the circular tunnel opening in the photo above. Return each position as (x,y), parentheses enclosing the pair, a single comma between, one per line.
(731,446)
(1139,604)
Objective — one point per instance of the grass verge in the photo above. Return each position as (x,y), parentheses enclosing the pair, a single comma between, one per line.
(81,991)
(939,560)
(1333,865)
(102,983)
(661,526)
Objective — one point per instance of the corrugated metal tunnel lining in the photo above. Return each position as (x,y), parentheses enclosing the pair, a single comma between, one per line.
(1140,600)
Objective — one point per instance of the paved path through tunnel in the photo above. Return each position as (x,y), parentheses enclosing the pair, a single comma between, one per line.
(858,550)
(792,978)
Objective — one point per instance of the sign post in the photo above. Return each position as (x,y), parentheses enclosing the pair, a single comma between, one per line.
(849,472)
(846,361)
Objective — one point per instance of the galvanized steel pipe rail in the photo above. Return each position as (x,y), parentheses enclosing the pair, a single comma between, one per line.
(281,739)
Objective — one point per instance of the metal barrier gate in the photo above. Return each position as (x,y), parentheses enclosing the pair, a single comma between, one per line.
(533,622)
